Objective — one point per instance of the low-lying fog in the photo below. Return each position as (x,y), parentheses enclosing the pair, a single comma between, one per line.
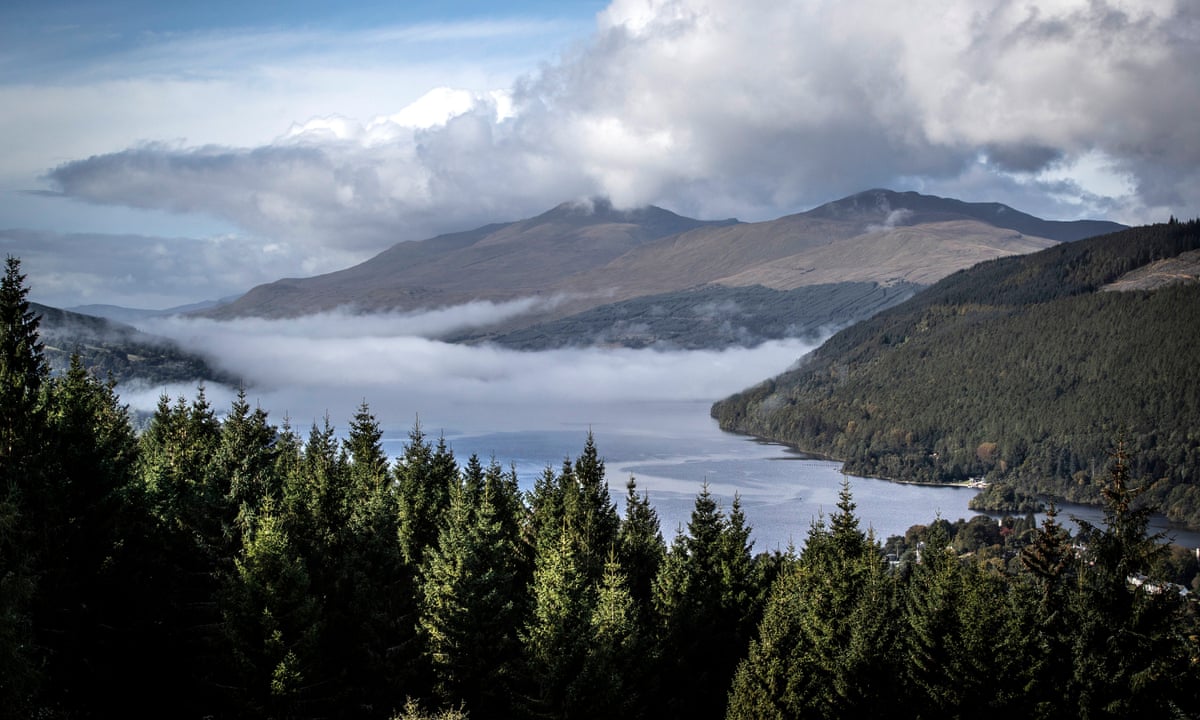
(329,363)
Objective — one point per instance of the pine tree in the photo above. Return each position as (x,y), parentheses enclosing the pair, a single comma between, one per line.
(424,479)
(931,597)
(23,369)
(374,617)
(826,646)
(557,637)
(701,637)
(92,519)
(471,604)
(185,550)
(271,623)
(591,512)
(244,464)
(1049,565)
(1131,654)
(640,548)
(612,682)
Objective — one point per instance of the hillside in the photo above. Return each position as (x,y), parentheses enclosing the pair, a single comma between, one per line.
(711,316)
(1018,370)
(590,256)
(119,351)
(494,262)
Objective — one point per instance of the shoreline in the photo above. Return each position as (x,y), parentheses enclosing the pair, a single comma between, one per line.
(829,458)
(1061,503)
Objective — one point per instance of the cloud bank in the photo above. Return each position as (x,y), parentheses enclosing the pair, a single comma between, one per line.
(330,363)
(722,108)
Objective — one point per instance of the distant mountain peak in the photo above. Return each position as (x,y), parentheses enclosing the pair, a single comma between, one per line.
(600,209)
(880,206)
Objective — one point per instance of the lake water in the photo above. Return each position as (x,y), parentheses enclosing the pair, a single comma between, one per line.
(673,448)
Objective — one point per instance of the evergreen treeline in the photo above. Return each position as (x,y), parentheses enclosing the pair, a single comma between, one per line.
(226,567)
(1016,370)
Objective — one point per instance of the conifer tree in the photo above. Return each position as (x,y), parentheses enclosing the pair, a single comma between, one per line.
(932,594)
(92,522)
(189,546)
(23,369)
(1131,654)
(244,464)
(591,512)
(557,637)
(1049,564)
(471,604)
(372,610)
(424,479)
(640,547)
(701,637)
(368,463)
(271,623)
(612,682)
(966,651)
(826,644)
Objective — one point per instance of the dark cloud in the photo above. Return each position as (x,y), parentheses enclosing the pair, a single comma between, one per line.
(1022,158)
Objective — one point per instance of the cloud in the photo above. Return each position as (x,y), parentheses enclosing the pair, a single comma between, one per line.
(716,108)
(332,362)
(67,269)
(347,324)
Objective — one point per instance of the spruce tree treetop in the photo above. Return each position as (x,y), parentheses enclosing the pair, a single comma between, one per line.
(22,363)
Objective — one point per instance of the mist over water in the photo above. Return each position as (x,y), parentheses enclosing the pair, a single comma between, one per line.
(648,411)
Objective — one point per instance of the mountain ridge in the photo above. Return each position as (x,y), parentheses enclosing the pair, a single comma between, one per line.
(591,254)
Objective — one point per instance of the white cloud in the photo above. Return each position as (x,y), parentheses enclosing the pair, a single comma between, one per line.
(733,109)
(347,324)
(67,269)
(709,107)
(332,362)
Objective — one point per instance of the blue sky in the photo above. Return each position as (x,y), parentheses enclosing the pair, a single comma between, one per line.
(161,153)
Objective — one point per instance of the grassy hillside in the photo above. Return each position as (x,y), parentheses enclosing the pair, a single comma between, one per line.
(1018,370)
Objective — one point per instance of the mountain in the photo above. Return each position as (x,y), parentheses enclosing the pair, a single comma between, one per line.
(132,315)
(1024,370)
(494,262)
(578,258)
(122,352)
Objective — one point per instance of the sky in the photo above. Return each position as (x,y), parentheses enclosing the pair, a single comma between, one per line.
(156,154)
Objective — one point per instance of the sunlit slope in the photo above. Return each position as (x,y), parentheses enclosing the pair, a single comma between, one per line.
(1018,369)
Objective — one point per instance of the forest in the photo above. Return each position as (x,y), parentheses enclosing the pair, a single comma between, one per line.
(215,564)
(1018,371)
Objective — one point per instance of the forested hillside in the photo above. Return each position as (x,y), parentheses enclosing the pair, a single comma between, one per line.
(711,316)
(1017,370)
(224,567)
(122,352)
